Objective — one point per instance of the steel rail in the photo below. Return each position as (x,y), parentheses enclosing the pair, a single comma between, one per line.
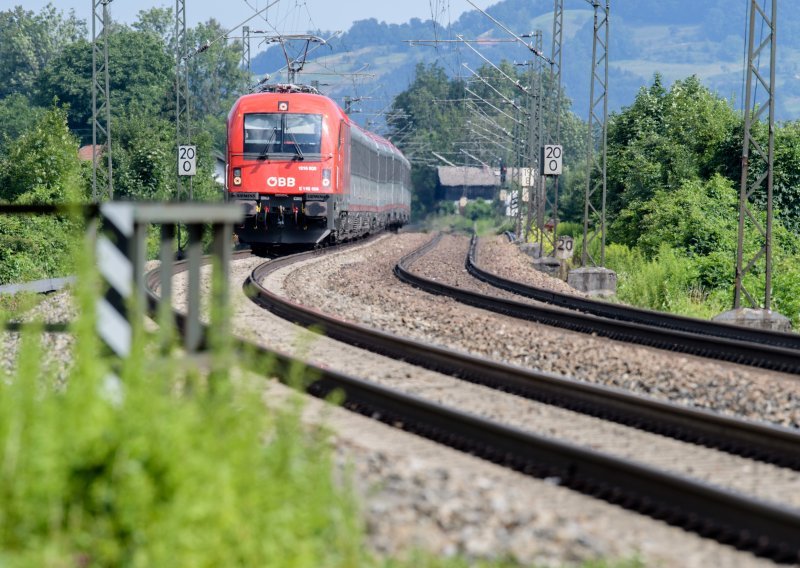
(746,353)
(632,314)
(760,441)
(766,529)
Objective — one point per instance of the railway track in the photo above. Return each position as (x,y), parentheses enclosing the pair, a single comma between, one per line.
(631,314)
(764,528)
(762,355)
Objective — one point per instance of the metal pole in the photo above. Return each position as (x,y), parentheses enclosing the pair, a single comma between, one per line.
(554,133)
(529,158)
(518,164)
(182,116)
(105,103)
(768,20)
(604,142)
(246,49)
(108,102)
(538,181)
(596,169)
(94,100)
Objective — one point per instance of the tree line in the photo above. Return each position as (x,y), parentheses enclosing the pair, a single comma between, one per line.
(46,115)
(674,169)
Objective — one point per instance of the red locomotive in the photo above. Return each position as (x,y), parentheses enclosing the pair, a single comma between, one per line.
(307,174)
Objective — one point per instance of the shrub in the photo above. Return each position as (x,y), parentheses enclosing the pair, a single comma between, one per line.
(478,209)
(786,288)
(669,282)
(162,471)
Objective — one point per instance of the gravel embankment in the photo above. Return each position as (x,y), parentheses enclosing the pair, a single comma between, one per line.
(365,290)
(417,494)
(436,500)
(57,307)
(499,256)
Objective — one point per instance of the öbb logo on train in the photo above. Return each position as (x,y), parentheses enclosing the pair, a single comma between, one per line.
(275,181)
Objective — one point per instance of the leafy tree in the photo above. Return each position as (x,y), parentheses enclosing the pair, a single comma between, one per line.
(161,23)
(697,218)
(436,114)
(29,41)
(140,74)
(215,77)
(16,116)
(144,158)
(664,139)
(42,167)
(43,163)
(428,125)
(478,209)
(787,175)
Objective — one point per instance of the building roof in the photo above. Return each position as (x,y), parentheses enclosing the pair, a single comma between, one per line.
(457,176)
(85,152)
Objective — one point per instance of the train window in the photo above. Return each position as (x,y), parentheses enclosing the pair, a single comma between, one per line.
(362,161)
(282,133)
(374,165)
(262,133)
(305,130)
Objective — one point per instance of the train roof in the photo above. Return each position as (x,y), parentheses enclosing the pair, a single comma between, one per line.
(307,99)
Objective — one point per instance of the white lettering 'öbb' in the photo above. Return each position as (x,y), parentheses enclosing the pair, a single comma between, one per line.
(275,181)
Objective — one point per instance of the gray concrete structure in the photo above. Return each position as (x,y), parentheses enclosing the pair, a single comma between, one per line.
(750,317)
(594,280)
(533,250)
(549,265)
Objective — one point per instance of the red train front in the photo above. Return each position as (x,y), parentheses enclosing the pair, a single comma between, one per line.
(306,174)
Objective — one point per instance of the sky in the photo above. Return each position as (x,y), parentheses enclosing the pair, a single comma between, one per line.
(287,16)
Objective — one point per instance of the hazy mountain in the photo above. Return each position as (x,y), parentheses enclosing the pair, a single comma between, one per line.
(675,38)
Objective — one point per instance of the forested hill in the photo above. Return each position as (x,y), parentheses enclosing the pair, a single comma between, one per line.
(676,38)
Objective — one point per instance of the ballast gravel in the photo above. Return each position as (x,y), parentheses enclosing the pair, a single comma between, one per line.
(56,348)
(417,494)
(406,496)
(364,289)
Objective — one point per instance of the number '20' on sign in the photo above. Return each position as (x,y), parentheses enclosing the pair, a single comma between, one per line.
(552,159)
(187,160)
(565,247)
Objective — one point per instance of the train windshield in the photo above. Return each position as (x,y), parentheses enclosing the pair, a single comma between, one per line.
(282,135)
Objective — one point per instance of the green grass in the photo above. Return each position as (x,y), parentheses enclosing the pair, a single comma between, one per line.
(167,468)
(665,283)
(484,226)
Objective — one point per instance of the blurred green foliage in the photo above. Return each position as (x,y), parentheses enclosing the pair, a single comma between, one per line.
(41,167)
(46,110)
(161,469)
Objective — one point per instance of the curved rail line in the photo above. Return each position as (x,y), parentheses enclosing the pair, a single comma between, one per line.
(753,354)
(759,441)
(631,314)
(764,528)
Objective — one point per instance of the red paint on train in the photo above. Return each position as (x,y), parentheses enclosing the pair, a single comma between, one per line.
(307,174)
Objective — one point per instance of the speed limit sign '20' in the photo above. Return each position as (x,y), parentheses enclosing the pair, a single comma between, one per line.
(552,158)
(187,160)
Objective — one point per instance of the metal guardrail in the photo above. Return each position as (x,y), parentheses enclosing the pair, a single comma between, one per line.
(44,286)
(121,251)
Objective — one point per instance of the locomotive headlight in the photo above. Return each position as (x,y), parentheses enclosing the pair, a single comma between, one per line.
(237,176)
(326,177)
